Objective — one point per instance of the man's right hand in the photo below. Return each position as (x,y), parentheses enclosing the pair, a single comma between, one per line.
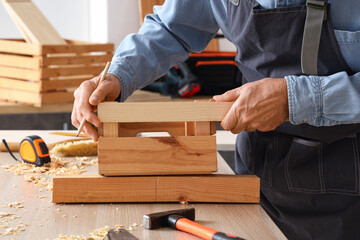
(87,96)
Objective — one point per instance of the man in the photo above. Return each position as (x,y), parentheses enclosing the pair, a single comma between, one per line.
(297,115)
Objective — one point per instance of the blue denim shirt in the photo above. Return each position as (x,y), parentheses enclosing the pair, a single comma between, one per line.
(183,26)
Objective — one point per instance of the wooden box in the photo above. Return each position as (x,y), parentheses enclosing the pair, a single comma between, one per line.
(190,148)
(48,74)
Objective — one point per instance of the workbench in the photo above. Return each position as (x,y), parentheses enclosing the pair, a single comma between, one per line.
(47,220)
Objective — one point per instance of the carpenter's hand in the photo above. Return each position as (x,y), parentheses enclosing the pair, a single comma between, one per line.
(86,96)
(261,105)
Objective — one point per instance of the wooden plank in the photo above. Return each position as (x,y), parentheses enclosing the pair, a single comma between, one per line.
(110,130)
(70,71)
(20,73)
(157,155)
(57,97)
(207,188)
(213,188)
(47,85)
(132,129)
(36,99)
(20,61)
(77,48)
(33,23)
(95,188)
(20,47)
(162,111)
(31,98)
(20,85)
(70,60)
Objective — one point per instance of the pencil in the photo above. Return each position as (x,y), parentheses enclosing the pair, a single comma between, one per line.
(101,79)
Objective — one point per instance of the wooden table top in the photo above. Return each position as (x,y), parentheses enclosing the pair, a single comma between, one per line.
(33,211)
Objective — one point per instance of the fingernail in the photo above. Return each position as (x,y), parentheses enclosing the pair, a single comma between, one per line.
(94,99)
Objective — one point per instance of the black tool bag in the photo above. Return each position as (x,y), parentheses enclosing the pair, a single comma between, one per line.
(216,71)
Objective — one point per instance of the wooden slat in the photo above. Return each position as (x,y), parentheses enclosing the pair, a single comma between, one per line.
(132,129)
(21,47)
(48,85)
(69,60)
(77,48)
(36,99)
(31,98)
(57,97)
(110,130)
(70,71)
(198,129)
(163,111)
(33,23)
(20,73)
(20,61)
(213,188)
(157,155)
(20,85)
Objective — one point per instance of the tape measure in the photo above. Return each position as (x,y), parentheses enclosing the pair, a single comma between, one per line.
(32,150)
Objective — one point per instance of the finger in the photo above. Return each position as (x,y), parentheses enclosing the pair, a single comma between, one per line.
(91,131)
(90,116)
(228,96)
(102,92)
(231,121)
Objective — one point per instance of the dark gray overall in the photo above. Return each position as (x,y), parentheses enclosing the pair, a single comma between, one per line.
(309,175)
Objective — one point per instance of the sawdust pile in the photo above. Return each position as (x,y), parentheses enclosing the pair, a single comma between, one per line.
(7,219)
(98,234)
(77,148)
(58,166)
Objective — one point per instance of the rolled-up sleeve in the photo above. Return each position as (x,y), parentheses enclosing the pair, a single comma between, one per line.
(324,100)
(165,39)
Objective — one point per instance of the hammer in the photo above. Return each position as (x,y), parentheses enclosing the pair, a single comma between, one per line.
(183,219)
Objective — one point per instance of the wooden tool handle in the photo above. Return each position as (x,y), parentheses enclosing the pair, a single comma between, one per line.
(14,146)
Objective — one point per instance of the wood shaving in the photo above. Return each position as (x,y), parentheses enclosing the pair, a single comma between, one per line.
(16,205)
(77,148)
(13,231)
(98,234)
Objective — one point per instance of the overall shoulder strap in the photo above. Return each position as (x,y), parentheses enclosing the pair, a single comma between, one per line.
(311,38)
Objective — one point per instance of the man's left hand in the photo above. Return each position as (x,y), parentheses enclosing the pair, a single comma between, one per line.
(261,105)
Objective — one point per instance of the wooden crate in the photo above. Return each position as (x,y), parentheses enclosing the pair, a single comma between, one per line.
(47,74)
(190,148)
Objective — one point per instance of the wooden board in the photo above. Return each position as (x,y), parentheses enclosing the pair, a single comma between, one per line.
(36,99)
(157,155)
(163,111)
(32,23)
(211,188)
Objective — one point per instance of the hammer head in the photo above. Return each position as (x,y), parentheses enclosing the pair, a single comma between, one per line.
(160,219)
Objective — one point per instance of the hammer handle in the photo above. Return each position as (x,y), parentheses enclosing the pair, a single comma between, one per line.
(201,231)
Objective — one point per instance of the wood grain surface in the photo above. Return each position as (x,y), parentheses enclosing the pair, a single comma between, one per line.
(157,155)
(47,220)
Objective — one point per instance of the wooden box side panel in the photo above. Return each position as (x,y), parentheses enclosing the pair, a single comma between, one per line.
(157,155)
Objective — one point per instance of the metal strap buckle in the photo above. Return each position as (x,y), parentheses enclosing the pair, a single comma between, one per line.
(319,5)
